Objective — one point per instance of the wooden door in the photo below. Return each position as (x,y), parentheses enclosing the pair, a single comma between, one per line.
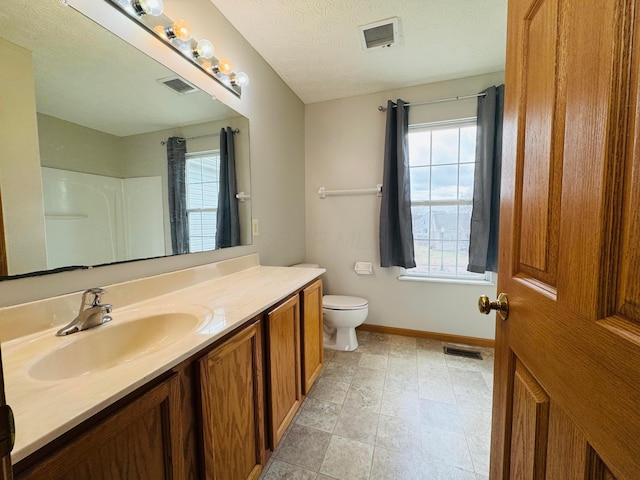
(312,350)
(232,408)
(6,472)
(283,366)
(567,388)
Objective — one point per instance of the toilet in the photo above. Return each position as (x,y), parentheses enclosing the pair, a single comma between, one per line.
(341,315)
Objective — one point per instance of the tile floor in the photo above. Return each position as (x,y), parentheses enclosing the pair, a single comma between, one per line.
(397,408)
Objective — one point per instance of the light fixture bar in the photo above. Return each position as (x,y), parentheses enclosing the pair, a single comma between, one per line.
(177,35)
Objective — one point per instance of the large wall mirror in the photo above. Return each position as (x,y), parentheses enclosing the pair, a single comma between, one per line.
(84,127)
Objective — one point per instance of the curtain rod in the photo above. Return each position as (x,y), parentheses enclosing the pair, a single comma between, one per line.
(438,100)
(237,130)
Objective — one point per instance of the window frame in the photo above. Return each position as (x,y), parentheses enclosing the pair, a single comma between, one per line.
(470,278)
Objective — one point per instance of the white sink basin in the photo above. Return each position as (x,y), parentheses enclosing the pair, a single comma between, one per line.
(115,343)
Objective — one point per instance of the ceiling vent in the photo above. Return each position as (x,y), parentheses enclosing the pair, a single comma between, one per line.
(178,85)
(380,34)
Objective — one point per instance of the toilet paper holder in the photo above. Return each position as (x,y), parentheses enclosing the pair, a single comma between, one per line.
(364,268)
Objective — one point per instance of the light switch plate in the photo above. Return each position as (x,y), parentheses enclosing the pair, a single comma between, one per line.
(255,227)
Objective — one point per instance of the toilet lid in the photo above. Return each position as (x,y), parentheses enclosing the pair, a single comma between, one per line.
(342,302)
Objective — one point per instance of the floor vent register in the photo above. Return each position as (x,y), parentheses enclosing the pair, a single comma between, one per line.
(462,352)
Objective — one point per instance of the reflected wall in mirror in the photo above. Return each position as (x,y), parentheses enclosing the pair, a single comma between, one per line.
(85,121)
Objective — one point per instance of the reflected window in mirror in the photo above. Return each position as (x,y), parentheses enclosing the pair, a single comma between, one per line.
(202,189)
(203,194)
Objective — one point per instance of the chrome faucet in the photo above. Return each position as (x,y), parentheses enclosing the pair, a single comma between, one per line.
(90,315)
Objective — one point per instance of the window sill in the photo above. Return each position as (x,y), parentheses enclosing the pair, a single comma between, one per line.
(454,281)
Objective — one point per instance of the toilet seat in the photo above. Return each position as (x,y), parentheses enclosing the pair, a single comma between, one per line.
(343,302)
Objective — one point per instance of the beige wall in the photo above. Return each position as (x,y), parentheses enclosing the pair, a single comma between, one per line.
(276,117)
(85,150)
(20,179)
(344,150)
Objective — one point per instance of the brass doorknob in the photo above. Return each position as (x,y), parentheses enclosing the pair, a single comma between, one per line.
(501,305)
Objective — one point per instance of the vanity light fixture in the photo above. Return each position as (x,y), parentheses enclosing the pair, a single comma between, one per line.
(159,31)
(179,29)
(147,7)
(241,79)
(224,66)
(204,49)
(177,35)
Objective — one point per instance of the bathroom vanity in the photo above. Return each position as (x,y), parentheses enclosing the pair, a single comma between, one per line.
(207,395)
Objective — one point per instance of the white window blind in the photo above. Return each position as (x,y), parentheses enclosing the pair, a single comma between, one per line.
(202,173)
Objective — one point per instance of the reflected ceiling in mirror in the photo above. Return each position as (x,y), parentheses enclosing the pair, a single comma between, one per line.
(102,113)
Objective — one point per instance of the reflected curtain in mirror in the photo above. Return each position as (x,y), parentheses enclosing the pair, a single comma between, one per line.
(228,220)
(396,230)
(483,237)
(176,162)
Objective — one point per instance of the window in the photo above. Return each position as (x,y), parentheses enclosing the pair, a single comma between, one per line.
(442,163)
(202,172)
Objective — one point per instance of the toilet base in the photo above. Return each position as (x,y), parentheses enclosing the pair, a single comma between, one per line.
(343,339)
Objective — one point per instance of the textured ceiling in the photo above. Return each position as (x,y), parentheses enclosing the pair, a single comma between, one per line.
(314,45)
(86,75)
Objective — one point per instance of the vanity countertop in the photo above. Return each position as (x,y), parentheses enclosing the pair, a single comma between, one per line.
(45,409)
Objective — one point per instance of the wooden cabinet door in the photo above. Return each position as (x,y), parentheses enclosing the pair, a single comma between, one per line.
(232,408)
(141,441)
(567,379)
(311,334)
(283,365)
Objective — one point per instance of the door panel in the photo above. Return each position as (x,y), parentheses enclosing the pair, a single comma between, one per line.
(538,234)
(530,426)
(567,448)
(598,80)
(564,403)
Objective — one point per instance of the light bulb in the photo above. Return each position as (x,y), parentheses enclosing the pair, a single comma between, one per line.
(160,31)
(241,79)
(185,49)
(206,64)
(204,49)
(180,29)
(225,66)
(147,7)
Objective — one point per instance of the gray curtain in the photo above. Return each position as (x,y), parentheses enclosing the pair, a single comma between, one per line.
(396,230)
(176,151)
(227,221)
(485,216)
